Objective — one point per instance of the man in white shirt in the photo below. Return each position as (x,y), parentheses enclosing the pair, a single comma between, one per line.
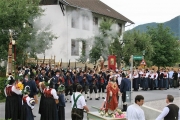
(170,112)
(170,73)
(119,78)
(134,112)
(78,104)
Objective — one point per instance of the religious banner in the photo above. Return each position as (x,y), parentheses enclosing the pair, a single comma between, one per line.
(112,62)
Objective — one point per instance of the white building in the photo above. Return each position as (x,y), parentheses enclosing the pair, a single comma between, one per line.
(73,19)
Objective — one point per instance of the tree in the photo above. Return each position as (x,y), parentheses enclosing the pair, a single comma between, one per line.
(166,47)
(96,50)
(102,41)
(21,16)
(84,54)
(135,43)
(116,48)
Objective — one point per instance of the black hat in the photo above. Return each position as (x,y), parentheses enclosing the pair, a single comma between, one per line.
(100,72)
(90,71)
(57,71)
(61,88)
(26,90)
(43,68)
(123,75)
(10,80)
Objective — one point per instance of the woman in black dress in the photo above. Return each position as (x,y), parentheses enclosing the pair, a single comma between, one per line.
(28,105)
(50,101)
(12,106)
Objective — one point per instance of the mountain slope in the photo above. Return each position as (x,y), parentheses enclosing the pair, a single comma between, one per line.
(173,24)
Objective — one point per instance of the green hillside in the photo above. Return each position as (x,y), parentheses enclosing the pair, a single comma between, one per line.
(173,24)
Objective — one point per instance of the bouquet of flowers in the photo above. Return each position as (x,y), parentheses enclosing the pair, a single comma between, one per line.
(19,85)
(119,114)
(116,114)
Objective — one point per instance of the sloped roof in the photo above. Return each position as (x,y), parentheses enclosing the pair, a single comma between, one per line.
(98,7)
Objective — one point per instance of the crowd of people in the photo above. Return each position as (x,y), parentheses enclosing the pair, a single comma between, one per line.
(57,86)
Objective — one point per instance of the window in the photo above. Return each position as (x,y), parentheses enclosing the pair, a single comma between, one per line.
(75,22)
(120,28)
(83,48)
(86,22)
(74,48)
(95,21)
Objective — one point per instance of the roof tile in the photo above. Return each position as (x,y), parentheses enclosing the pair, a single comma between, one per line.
(98,7)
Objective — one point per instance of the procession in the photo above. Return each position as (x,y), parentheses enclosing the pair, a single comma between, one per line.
(57,87)
(85,60)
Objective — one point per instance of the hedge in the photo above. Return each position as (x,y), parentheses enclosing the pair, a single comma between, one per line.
(2,86)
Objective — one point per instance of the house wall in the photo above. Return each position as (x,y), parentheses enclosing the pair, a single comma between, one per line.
(61,27)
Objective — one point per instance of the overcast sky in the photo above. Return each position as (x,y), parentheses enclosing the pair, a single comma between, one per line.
(145,11)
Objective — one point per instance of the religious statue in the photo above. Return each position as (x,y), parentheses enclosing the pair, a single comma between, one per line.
(100,63)
(112,97)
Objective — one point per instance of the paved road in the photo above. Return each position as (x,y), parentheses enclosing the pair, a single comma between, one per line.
(149,96)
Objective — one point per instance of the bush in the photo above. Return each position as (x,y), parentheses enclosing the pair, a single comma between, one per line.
(2,86)
(2,71)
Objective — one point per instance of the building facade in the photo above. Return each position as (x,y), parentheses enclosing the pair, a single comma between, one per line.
(74,20)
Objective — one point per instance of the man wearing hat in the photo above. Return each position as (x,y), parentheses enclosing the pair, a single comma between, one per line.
(68,84)
(56,79)
(101,83)
(42,75)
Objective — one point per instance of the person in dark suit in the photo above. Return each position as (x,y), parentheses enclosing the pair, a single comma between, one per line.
(171,111)
(56,80)
(33,89)
(125,86)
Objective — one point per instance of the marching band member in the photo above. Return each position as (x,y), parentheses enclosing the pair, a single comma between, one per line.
(85,86)
(56,80)
(68,85)
(75,81)
(101,83)
(93,85)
